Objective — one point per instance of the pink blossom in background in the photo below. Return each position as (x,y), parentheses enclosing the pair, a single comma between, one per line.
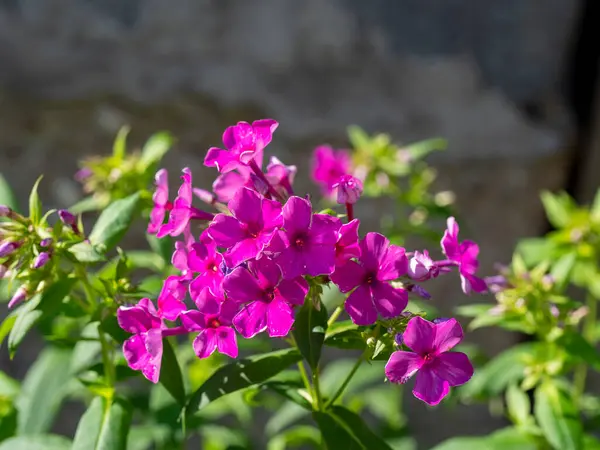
(328,165)
(251,227)
(464,254)
(142,351)
(160,198)
(242,142)
(281,176)
(378,264)
(306,246)
(437,369)
(268,299)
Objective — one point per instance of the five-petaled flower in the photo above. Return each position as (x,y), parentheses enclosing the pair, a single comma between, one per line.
(378,264)
(437,369)
(349,189)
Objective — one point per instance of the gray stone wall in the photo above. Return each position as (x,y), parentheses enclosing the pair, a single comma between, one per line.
(73,71)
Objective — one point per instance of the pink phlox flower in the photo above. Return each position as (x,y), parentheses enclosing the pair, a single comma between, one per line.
(268,298)
(421,267)
(171,297)
(227,184)
(328,166)
(378,264)
(349,189)
(306,246)
(182,211)
(437,369)
(347,245)
(464,255)
(249,229)
(206,261)
(160,198)
(281,176)
(215,330)
(242,142)
(142,351)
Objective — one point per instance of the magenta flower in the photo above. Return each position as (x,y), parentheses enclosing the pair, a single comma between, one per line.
(215,330)
(307,246)
(347,245)
(379,263)
(281,176)
(182,211)
(464,255)
(242,142)
(160,198)
(437,369)
(328,166)
(143,350)
(227,184)
(6,248)
(349,189)
(40,260)
(421,267)
(251,227)
(19,297)
(269,299)
(206,261)
(170,300)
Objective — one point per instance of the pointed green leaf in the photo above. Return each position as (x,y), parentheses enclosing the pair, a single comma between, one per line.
(155,148)
(578,347)
(42,391)
(35,205)
(7,197)
(241,374)
(561,270)
(419,150)
(39,442)
(358,138)
(558,208)
(505,439)
(518,404)
(120,144)
(536,250)
(86,253)
(104,426)
(558,417)
(114,221)
(170,373)
(86,204)
(309,330)
(7,324)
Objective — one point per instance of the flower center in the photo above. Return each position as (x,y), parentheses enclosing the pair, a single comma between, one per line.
(428,357)
(370,278)
(269,295)
(168,206)
(299,241)
(214,323)
(212,267)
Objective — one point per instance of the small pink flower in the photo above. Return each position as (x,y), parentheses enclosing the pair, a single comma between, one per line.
(464,255)
(41,260)
(281,176)
(19,297)
(349,189)
(268,298)
(307,246)
(328,166)
(142,351)
(242,142)
(347,246)
(160,198)
(379,263)
(215,330)
(206,261)
(182,212)
(227,184)
(437,369)
(170,300)
(421,267)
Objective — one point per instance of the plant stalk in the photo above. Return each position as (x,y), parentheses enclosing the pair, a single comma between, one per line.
(589,322)
(344,385)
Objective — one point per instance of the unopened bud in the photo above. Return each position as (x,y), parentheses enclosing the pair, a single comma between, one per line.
(5,211)
(205,196)
(41,260)
(18,298)
(421,267)
(439,320)
(349,189)
(46,242)
(418,290)
(6,248)
(66,217)
(82,174)
(399,339)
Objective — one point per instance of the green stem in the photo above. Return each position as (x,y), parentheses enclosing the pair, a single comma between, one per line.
(335,315)
(109,368)
(343,386)
(304,376)
(318,400)
(589,322)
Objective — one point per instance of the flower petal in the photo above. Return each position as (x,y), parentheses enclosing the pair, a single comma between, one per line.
(324,229)
(243,250)
(252,319)
(393,264)
(154,345)
(207,302)
(267,272)
(280,318)
(373,248)
(293,291)
(319,259)
(246,206)
(134,319)
(193,320)
(448,334)
(225,230)
(419,335)
(297,215)
(389,301)
(402,365)
(471,283)
(205,343)
(291,263)
(359,306)
(227,341)
(241,286)
(449,242)
(429,387)
(453,367)
(223,160)
(135,353)
(348,276)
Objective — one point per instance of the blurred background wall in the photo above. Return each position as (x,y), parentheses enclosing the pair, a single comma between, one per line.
(510,84)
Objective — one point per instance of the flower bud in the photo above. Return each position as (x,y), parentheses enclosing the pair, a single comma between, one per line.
(6,248)
(205,196)
(83,174)
(421,267)
(496,283)
(46,242)
(66,217)
(399,339)
(439,320)
(41,260)
(18,298)
(418,290)
(349,189)
(5,211)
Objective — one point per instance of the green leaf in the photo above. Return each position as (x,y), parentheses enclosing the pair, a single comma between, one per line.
(577,346)
(358,138)
(474,310)
(561,269)
(46,303)
(558,417)
(241,374)
(518,404)
(104,426)
(309,330)
(342,428)
(558,208)
(7,197)
(506,368)
(288,384)
(7,325)
(345,334)
(86,204)
(419,150)
(163,246)
(120,144)
(155,148)
(86,253)
(595,208)
(9,387)
(35,205)
(142,259)
(295,437)
(40,442)
(505,439)
(170,373)
(42,391)
(114,221)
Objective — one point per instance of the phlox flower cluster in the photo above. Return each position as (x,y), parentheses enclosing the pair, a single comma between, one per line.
(246,268)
